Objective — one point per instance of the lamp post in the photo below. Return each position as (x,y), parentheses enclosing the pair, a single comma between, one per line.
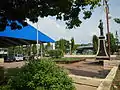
(107,21)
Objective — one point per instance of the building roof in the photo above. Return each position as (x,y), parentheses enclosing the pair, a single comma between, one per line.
(26,35)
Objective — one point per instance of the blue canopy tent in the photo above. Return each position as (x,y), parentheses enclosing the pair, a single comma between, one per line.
(26,35)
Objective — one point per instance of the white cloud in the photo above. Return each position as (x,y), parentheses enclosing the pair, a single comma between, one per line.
(56,29)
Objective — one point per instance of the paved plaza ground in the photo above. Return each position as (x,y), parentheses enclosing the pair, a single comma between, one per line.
(88,68)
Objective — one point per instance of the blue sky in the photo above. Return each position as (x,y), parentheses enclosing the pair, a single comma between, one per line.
(83,34)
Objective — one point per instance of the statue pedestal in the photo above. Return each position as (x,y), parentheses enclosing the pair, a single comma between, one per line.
(102,53)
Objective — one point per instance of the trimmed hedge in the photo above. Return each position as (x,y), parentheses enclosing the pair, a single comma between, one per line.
(41,75)
(56,53)
(67,60)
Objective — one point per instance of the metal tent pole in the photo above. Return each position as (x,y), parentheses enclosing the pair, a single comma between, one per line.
(37,41)
(41,50)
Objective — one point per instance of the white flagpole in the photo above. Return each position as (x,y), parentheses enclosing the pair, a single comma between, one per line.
(37,41)
(41,49)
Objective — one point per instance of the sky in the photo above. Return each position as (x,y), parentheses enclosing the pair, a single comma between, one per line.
(56,29)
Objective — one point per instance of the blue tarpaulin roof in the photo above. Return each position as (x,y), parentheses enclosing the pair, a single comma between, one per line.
(26,33)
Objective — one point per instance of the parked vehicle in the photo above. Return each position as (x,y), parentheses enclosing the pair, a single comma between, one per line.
(18,57)
(8,59)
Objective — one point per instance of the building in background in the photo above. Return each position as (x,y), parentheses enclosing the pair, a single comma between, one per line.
(3,52)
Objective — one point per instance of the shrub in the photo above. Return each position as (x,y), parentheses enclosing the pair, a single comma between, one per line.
(6,87)
(1,74)
(41,75)
(55,53)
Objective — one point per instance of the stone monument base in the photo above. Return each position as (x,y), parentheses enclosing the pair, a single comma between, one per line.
(102,58)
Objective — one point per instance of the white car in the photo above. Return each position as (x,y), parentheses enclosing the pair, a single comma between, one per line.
(18,57)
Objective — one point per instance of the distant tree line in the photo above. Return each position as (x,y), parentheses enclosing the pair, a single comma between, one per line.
(67,47)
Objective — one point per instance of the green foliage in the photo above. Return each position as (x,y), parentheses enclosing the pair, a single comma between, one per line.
(48,46)
(34,49)
(67,10)
(117,20)
(11,51)
(95,43)
(112,43)
(28,49)
(41,75)
(55,53)
(18,49)
(63,45)
(6,87)
(87,14)
(72,45)
(76,46)
(43,49)
(66,59)
(1,74)
(15,50)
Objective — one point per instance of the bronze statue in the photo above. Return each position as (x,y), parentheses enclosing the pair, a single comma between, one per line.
(101,28)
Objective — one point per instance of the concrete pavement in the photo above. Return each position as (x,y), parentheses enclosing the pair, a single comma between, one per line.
(85,83)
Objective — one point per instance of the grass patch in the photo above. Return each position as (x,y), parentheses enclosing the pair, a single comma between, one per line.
(67,60)
(116,81)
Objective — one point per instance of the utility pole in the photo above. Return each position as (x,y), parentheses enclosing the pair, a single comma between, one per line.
(107,21)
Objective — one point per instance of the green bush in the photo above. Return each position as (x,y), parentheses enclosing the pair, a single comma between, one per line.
(6,87)
(1,74)
(55,53)
(41,75)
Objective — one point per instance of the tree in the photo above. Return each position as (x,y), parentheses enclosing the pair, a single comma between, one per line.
(95,43)
(11,51)
(34,49)
(42,50)
(112,43)
(20,49)
(76,46)
(116,41)
(27,50)
(72,45)
(66,10)
(117,20)
(48,46)
(63,45)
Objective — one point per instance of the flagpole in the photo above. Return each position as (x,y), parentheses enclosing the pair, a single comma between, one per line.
(37,41)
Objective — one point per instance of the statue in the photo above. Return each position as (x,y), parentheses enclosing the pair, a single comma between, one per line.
(101,53)
(101,28)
